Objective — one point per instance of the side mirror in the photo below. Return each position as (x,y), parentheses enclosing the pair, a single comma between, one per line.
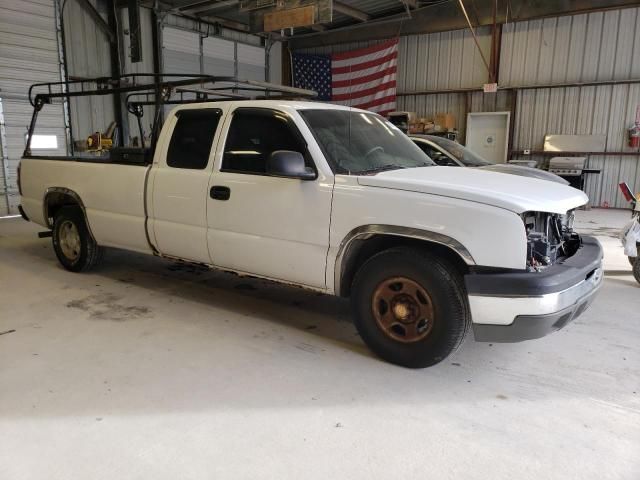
(289,164)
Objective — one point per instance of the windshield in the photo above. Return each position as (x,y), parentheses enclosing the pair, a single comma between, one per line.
(361,143)
(462,153)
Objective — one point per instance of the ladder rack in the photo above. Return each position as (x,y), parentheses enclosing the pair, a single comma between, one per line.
(150,89)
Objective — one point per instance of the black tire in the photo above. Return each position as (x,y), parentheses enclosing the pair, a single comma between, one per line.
(636,270)
(632,260)
(85,253)
(447,302)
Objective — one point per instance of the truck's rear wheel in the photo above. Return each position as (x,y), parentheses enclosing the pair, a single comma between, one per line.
(410,307)
(75,247)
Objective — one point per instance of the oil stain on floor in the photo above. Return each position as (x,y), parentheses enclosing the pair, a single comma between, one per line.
(106,306)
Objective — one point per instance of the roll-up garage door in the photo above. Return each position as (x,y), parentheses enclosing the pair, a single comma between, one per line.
(28,54)
(180,51)
(219,57)
(251,62)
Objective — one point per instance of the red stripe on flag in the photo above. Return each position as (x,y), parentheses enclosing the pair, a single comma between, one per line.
(365,65)
(364,93)
(376,102)
(364,79)
(364,51)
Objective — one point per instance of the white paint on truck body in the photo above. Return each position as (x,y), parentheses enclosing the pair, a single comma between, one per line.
(113,196)
(287,229)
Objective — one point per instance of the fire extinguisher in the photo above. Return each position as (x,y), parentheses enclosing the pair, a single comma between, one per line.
(634,136)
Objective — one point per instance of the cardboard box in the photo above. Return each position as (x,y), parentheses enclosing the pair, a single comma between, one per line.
(446,120)
(416,128)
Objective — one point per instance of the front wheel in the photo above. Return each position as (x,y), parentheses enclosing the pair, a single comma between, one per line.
(636,269)
(410,307)
(74,245)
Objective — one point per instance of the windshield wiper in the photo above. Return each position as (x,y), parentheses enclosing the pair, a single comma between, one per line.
(387,167)
(382,168)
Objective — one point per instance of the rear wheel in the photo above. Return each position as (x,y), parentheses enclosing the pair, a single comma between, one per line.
(410,307)
(75,247)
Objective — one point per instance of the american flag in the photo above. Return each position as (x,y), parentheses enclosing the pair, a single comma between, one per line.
(364,78)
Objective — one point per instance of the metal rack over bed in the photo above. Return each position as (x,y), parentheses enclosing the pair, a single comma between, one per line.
(157,90)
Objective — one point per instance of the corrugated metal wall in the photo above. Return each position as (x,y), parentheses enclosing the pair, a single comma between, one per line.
(28,54)
(439,61)
(592,47)
(87,50)
(435,61)
(598,46)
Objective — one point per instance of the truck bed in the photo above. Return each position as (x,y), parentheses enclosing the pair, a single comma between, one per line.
(112,194)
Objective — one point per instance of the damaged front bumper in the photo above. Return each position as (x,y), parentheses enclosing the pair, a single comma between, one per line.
(512,307)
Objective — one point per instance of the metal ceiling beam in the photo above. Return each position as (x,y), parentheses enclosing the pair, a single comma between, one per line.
(243,27)
(208,6)
(197,4)
(351,12)
(97,18)
(445,17)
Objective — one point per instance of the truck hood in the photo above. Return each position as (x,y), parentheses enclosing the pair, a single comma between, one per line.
(512,192)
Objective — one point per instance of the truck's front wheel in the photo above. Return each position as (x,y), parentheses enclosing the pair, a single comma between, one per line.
(636,269)
(410,307)
(75,247)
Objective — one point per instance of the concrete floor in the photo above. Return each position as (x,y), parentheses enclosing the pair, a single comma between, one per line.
(146,369)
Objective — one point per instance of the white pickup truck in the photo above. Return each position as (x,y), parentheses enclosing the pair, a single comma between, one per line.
(336,200)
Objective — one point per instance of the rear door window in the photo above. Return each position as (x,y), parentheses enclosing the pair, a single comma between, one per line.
(192,138)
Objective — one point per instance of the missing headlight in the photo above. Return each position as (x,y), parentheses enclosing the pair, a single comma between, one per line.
(550,238)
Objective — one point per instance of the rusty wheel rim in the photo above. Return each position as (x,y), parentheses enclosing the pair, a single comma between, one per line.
(69,238)
(403,310)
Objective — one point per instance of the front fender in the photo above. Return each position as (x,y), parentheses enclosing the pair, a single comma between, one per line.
(482,235)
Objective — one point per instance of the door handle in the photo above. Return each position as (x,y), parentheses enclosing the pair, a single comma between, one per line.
(220,193)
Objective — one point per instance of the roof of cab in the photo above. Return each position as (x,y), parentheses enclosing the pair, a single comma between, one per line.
(294,104)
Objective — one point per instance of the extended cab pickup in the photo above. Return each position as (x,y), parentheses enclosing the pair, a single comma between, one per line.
(336,200)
